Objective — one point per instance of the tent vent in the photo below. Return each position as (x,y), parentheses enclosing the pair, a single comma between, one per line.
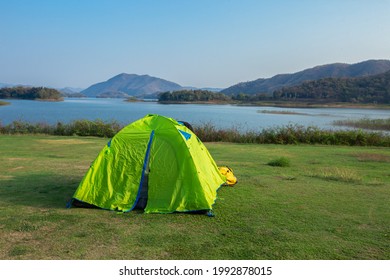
(185,134)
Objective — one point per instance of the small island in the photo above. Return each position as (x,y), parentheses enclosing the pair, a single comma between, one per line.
(31,93)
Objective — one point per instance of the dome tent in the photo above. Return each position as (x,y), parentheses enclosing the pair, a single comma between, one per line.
(155,160)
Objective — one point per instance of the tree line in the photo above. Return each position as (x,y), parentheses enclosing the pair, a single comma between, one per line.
(192,96)
(205,95)
(31,93)
(372,89)
(369,89)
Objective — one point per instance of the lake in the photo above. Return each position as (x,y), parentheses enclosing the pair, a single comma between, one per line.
(223,116)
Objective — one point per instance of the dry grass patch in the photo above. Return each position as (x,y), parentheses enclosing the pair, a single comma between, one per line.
(6,177)
(337,174)
(371,157)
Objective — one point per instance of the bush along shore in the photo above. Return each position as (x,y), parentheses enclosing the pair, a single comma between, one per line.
(289,134)
(375,124)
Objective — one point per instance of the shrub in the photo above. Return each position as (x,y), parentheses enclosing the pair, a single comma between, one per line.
(97,128)
(207,132)
(280,162)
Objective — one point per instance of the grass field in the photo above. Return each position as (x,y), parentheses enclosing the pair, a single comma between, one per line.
(329,202)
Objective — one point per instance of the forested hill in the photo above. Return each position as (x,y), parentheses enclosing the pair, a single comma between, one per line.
(124,85)
(32,93)
(372,89)
(336,70)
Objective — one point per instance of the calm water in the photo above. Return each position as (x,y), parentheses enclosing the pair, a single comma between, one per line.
(223,116)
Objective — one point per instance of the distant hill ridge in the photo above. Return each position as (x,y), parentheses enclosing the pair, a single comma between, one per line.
(365,89)
(123,85)
(335,70)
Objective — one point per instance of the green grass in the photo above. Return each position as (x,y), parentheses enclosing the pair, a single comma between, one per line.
(280,162)
(332,202)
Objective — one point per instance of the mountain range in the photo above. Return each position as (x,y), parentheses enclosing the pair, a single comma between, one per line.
(147,86)
(3,85)
(125,85)
(70,90)
(335,70)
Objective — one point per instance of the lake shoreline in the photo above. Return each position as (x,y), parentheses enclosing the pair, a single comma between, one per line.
(280,104)
(224,115)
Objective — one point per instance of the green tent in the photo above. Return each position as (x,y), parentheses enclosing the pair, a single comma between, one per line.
(156,164)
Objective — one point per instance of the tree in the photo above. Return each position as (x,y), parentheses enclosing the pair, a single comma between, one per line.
(30,93)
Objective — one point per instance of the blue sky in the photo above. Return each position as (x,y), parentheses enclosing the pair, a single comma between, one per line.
(199,43)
